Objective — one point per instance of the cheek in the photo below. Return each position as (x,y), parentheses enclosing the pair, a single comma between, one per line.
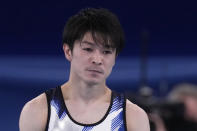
(110,65)
(112,62)
(78,56)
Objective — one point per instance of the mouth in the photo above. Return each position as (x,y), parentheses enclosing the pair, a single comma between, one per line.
(95,71)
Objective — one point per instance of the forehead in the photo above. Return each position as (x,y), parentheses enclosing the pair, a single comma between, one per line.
(87,37)
(96,39)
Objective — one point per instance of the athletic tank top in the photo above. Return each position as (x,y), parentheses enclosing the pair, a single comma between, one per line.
(59,118)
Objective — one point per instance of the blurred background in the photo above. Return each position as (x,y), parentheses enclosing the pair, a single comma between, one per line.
(160,50)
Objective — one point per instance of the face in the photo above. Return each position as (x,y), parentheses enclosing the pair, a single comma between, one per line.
(90,61)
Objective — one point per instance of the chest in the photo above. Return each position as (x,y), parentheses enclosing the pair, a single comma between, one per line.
(108,116)
(87,114)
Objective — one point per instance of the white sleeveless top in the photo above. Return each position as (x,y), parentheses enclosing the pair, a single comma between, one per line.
(59,118)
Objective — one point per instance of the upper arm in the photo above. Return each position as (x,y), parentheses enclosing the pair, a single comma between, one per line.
(137,119)
(34,114)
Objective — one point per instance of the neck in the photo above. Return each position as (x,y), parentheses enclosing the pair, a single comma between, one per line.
(79,90)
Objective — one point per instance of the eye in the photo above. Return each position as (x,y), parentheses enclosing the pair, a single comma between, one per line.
(107,52)
(88,49)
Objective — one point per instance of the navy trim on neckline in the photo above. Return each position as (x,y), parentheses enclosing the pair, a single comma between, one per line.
(82,124)
(47,93)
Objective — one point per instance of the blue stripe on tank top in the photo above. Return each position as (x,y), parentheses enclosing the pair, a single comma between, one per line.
(87,128)
(118,122)
(117,104)
(56,104)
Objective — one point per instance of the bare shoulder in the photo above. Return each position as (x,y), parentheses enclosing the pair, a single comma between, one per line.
(34,114)
(136,117)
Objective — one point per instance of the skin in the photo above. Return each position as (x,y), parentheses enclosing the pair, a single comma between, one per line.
(86,89)
(191,107)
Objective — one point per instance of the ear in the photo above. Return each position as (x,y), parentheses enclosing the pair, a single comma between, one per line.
(67,52)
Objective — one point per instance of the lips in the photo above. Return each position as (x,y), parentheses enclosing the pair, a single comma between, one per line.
(96,70)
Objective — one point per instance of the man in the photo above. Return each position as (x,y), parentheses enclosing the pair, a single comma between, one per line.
(187,94)
(92,40)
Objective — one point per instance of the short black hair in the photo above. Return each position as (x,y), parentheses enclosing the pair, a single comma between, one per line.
(99,22)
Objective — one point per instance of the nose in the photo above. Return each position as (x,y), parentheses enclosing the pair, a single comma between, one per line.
(97,58)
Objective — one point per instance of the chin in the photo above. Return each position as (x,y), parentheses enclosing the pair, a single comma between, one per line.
(93,82)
